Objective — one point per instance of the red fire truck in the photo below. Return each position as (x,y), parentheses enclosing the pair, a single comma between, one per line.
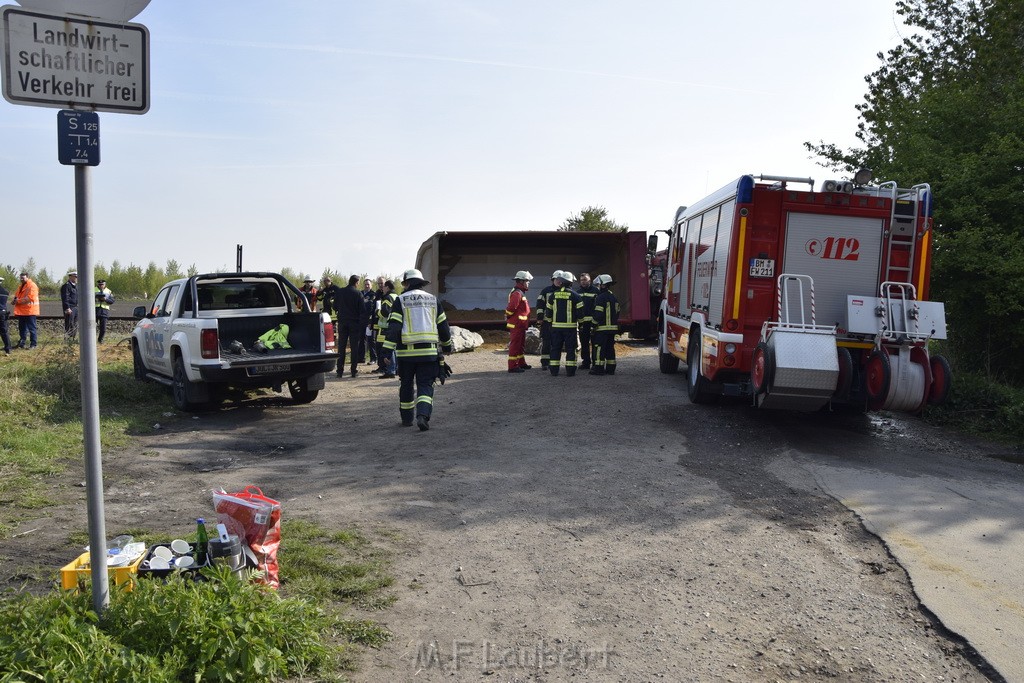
(801,299)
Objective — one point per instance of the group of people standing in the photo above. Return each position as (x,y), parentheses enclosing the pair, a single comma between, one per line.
(26,310)
(588,317)
(404,334)
(103,299)
(359,321)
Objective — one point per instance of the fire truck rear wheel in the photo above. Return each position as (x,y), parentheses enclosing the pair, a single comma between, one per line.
(762,367)
(697,387)
(877,378)
(942,377)
(845,380)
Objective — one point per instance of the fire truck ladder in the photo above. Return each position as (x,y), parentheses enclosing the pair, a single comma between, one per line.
(906,211)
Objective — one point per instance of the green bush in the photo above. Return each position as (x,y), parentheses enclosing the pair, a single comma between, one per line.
(980,405)
(219,630)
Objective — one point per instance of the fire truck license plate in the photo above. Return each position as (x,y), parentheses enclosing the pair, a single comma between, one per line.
(762,267)
(268,369)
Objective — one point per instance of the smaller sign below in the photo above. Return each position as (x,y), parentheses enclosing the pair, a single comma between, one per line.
(78,138)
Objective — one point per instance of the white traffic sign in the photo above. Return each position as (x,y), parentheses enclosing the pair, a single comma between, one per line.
(53,60)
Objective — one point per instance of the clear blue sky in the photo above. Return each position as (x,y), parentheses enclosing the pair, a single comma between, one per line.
(340,135)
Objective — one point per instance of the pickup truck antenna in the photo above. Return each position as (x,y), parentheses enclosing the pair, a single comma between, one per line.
(238,258)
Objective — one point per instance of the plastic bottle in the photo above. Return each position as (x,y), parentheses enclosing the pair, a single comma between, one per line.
(202,542)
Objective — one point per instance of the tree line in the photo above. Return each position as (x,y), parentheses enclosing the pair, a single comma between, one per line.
(134,282)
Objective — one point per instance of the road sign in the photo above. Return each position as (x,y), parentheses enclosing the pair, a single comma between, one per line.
(54,60)
(78,138)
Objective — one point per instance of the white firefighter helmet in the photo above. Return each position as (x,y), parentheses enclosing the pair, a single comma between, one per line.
(568,277)
(604,280)
(413,274)
(556,275)
(523,275)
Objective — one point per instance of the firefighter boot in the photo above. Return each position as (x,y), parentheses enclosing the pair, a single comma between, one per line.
(610,368)
(423,422)
(597,370)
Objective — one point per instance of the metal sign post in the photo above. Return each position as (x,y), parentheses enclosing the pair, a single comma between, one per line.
(90,396)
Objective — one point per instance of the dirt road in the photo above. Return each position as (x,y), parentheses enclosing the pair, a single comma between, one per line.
(586,528)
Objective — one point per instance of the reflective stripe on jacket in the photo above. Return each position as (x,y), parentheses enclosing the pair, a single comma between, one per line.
(565,307)
(589,295)
(416,325)
(606,312)
(517,312)
(386,304)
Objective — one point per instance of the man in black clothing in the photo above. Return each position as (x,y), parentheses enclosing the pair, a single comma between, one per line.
(545,324)
(69,304)
(370,310)
(589,294)
(348,304)
(3,317)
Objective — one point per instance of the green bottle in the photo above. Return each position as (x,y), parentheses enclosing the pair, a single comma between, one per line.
(202,542)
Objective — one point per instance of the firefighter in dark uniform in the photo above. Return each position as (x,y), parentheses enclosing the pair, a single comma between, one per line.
(589,294)
(416,327)
(606,326)
(565,307)
(545,325)
(386,363)
(517,317)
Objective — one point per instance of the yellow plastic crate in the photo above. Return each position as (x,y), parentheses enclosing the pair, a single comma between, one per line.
(75,575)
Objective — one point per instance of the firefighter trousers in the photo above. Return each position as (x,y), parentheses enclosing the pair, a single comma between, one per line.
(563,338)
(604,353)
(586,339)
(517,347)
(416,392)
(545,343)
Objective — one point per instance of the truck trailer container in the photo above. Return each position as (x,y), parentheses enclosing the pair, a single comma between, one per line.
(471,272)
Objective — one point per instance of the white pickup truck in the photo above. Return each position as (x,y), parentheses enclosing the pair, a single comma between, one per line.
(199,350)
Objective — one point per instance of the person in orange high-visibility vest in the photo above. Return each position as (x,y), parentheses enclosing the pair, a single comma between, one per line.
(26,309)
(517,317)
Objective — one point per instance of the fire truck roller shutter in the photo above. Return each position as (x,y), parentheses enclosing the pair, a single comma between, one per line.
(841,253)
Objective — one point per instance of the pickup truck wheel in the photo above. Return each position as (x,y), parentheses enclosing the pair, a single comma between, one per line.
(137,366)
(300,393)
(698,387)
(179,387)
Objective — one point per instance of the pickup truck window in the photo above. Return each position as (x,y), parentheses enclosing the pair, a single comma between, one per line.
(162,309)
(220,296)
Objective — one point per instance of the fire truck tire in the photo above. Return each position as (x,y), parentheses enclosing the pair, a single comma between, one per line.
(762,369)
(698,386)
(845,380)
(667,363)
(877,378)
(942,377)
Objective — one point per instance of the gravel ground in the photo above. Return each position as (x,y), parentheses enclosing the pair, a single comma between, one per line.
(552,529)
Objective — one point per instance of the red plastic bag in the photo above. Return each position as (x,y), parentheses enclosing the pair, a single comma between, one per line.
(257,519)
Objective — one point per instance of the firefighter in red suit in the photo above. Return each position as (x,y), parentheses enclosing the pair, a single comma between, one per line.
(517,315)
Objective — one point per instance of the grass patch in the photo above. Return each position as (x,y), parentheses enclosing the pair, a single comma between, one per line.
(40,417)
(224,629)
